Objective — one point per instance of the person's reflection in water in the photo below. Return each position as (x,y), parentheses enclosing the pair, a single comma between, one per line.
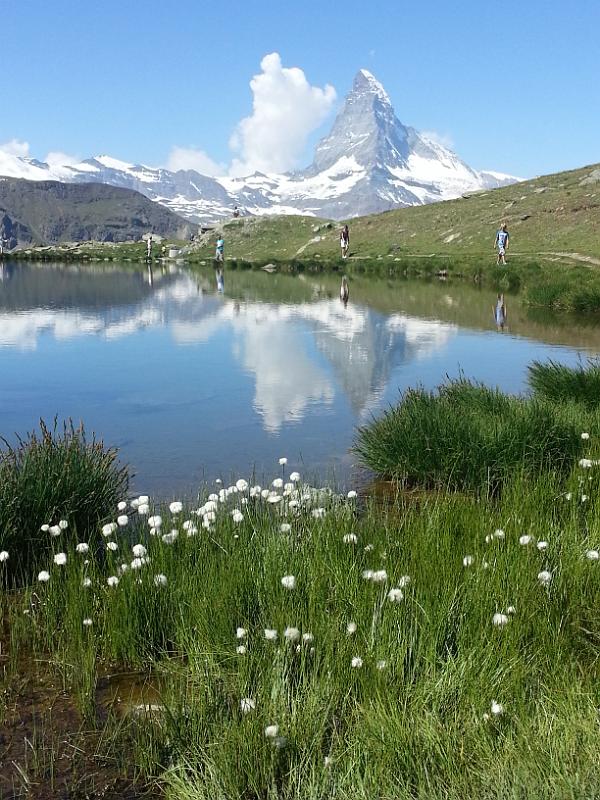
(344,291)
(150,275)
(500,315)
(220,281)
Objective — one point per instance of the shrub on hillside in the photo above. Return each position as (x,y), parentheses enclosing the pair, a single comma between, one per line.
(51,476)
(467,436)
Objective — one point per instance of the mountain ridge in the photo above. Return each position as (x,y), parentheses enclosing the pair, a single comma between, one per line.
(369,162)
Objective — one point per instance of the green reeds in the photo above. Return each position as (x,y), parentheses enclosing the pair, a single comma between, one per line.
(559,382)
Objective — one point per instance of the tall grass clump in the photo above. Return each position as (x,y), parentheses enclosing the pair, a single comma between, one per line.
(54,476)
(559,382)
(468,436)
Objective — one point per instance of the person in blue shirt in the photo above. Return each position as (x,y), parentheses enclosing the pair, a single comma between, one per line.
(220,249)
(501,243)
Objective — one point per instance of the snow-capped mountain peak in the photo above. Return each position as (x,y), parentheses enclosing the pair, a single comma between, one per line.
(369,162)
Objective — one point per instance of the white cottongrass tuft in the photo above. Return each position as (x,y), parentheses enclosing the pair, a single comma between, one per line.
(511,610)
(585,436)
(499,534)
(241,485)
(271,731)
(155,521)
(169,538)
(109,528)
(278,483)
(60,559)
(318,513)
(395,595)
(497,709)
(87,622)
(351,628)
(499,620)
(247,704)
(176,507)
(237,516)
(113,546)
(285,527)
(585,463)
(63,524)
(143,509)
(404,581)
(468,561)
(86,583)
(113,581)
(288,582)
(282,461)
(291,634)
(541,546)
(43,576)
(82,547)
(351,494)
(4,555)
(274,498)
(307,638)
(356,662)
(350,538)
(122,520)
(294,477)
(160,580)
(241,633)
(381,664)
(45,527)
(525,540)
(55,530)
(544,577)
(121,506)
(138,550)
(592,555)
(270,634)
(241,649)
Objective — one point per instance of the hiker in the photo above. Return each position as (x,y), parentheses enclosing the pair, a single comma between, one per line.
(499,310)
(502,237)
(345,241)
(149,247)
(236,212)
(344,291)
(220,249)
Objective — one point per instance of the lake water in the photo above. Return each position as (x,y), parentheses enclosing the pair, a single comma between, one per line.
(191,384)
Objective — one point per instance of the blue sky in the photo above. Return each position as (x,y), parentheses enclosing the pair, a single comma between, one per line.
(512,86)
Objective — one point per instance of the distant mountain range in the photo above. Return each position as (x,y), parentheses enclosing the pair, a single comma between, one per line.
(369,162)
(48,212)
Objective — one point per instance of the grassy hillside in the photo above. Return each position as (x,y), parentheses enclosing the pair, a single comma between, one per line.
(554,216)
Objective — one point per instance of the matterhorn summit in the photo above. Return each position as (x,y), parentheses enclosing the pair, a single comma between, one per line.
(369,162)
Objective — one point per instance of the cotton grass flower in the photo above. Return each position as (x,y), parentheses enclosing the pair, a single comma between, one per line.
(121,506)
(274,498)
(155,521)
(282,462)
(291,634)
(497,709)
(109,529)
(43,576)
(113,546)
(241,485)
(468,561)
(237,516)
(160,580)
(395,595)
(288,582)
(585,436)
(143,509)
(350,538)
(381,664)
(294,477)
(241,633)
(499,620)
(169,538)
(356,662)
(277,483)
(63,524)
(176,507)
(544,577)
(351,494)
(404,581)
(86,583)
(3,556)
(318,513)
(585,463)
(87,622)
(285,527)
(499,534)
(45,527)
(351,628)
(525,540)
(138,550)
(122,520)
(271,731)
(511,610)
(55,530)
(82,547)
(592,555)
(247,704)
(241,650)
(270,634)
(541,546)
(112,581)
(60,559)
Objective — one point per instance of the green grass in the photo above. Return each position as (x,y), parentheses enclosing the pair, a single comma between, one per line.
(419,725)
(48,476)
(468,436)
(559,382)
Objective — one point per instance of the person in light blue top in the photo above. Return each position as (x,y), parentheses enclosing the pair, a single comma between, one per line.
(502,237)
(220,249)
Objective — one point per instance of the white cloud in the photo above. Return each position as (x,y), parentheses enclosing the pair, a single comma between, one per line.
(286,109)
(191,158)
(15,147)
(57,159)
(443,139)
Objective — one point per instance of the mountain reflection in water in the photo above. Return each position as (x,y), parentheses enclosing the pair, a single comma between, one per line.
(189,382)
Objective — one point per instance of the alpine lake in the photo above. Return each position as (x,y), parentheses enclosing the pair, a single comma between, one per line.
(192,384)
